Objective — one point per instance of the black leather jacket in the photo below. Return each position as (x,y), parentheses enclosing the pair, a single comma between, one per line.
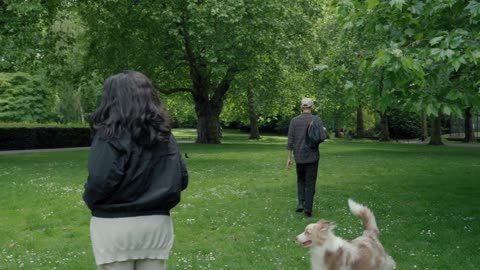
(126,179)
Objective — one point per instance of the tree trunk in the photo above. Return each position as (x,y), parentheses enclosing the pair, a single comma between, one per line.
(208,121)
(82,114)
(469,131)
(208,129)
(337,123)
(80,106)
(436,138)
(385,134)
(208,109)
(424,135)
(253,115)
(360,127)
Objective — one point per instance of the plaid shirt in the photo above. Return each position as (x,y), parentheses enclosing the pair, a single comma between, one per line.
(296,139)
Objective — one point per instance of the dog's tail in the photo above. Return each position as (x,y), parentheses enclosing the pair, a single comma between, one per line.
(367,217)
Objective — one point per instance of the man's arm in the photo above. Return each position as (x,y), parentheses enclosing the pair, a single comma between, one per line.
(289,159)
(291,135)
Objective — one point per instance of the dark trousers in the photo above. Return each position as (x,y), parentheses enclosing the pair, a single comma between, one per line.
(306,181)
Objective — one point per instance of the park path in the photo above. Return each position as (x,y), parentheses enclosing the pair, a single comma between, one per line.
(459,145)
(9,152)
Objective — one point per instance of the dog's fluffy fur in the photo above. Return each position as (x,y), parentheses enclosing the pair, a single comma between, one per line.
(330,252)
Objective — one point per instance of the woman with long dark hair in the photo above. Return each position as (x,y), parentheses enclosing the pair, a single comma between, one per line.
(135,176)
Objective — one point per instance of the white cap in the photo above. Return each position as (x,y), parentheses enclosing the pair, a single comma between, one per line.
(307,103)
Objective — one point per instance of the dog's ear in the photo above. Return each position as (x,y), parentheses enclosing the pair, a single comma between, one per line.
(324,225)
(332,226)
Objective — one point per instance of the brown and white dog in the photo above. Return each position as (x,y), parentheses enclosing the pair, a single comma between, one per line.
(330,252)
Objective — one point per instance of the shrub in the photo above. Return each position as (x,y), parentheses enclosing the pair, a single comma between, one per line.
(404,125)
(15,138)
(25,98)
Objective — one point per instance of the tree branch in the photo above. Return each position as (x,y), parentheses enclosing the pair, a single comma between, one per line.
(190,56)
(224,85)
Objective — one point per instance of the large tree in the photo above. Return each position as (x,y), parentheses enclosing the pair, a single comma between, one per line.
(76,86)
(269,92)
(26,42)
(345,86)
(428,53)
(192,46)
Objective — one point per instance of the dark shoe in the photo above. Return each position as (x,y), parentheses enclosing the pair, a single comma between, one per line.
(307,214)
(299,208)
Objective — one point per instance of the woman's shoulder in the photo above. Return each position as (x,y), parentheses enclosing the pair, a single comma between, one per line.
(121,141)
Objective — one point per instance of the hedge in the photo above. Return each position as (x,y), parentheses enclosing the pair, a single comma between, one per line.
(17,138)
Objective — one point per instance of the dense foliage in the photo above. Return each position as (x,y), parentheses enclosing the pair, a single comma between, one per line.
(248,63)
(22,32)
(424,56)
(25,98)
(197,47)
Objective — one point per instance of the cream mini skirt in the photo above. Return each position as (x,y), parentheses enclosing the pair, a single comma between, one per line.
(131,238)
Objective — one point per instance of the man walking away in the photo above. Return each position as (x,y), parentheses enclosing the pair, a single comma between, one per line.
(306,157)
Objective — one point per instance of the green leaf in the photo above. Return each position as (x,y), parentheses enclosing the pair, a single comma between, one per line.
(446,109)
(371,4)
(431,110)
(417,8)
(381,58)
(474,8)
(449,53)
(435,53)
(418,105)
(453,95)
(348,85)
(348,25)
(320,67)
(458,61)
(435,40)
(457,111)
(352,101)
(407,63)
(410,32)
(397,3)
(363,65)
(475,54)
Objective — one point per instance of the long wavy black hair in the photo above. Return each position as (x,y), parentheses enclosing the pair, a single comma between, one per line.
(130,103)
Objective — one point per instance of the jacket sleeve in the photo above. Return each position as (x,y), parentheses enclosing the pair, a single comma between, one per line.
(183,167)
(291,136)
(106,168)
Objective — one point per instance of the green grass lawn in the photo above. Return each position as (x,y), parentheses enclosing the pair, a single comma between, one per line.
(238,211)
